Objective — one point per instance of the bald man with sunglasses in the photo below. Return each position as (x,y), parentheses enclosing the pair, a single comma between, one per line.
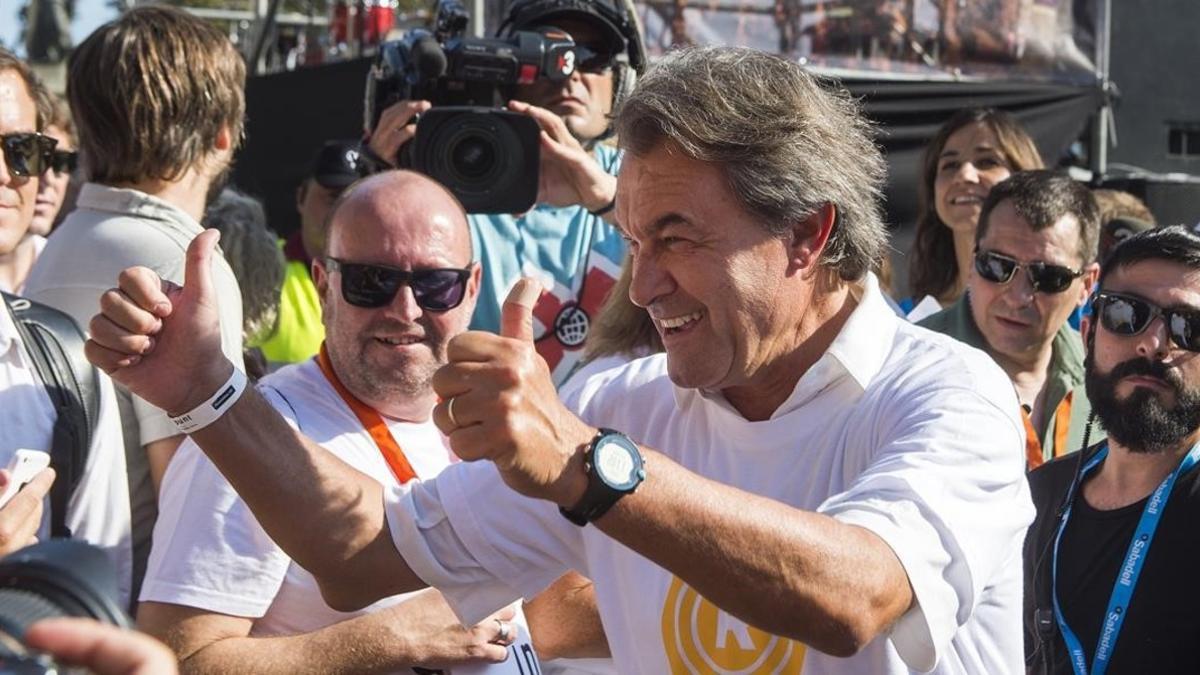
(1034,264)
(397,281)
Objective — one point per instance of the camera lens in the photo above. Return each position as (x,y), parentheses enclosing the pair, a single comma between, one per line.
(56,578)
(473,157)
(488,158)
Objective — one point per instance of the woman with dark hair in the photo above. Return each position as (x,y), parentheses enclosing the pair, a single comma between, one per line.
(974,150)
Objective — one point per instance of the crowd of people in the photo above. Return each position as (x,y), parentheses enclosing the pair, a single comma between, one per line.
(669,420)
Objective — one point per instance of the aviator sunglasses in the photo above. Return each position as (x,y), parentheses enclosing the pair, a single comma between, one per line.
(27,154)
(1130,315)
(1043,277)
(372,286)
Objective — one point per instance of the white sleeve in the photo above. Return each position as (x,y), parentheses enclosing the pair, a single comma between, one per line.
(98,511)
(947,493)
(209,550)
(478,542)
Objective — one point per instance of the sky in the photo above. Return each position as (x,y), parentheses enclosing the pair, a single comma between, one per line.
(89,14)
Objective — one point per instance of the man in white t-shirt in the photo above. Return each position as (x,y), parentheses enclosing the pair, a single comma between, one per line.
(833,489)
(94,495)
(396,284)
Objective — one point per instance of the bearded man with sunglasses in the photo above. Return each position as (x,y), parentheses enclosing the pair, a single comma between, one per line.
(1111,558)
(1035,251)
(396,283)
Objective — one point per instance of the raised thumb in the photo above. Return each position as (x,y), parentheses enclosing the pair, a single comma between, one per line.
(516,316)
(197,275)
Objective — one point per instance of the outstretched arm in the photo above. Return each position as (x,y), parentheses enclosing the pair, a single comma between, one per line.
(829,584)
(420,632)
(163,343)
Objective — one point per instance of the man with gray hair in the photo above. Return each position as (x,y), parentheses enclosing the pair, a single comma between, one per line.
(830,489)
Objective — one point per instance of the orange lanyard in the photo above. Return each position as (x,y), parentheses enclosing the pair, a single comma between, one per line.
(1034,456)
(372,421)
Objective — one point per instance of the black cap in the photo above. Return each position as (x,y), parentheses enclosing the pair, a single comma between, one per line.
(336,164)
(1123,227)
(527,14)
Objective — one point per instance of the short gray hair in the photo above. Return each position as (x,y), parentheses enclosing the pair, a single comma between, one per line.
(786,143)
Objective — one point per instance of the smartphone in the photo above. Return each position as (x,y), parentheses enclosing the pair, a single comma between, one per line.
(24,466)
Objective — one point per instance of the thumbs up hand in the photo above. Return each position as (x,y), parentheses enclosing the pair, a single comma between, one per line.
(162,340)
(499,403)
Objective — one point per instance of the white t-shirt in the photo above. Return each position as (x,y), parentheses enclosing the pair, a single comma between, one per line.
(211,553)
(909,434)
(98,510)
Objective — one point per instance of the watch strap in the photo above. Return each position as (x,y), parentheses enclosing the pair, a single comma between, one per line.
(599,497)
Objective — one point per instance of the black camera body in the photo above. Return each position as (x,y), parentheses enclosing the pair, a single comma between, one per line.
(487,156)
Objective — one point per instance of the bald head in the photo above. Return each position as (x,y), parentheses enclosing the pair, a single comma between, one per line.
(396,202)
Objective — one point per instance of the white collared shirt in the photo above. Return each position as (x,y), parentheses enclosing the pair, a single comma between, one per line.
(908,434)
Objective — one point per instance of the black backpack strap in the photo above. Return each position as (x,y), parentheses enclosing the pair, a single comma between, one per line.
(55,345)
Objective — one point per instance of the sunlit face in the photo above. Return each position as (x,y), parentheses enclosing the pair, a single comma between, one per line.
(313,202)
(18,196)
(716,284)
(52,187)
(1017,321)
(584,100)
(968,166)
(1145,388)
(391,352)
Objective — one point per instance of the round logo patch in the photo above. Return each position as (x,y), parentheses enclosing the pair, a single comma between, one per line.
(700,638)
(571,325)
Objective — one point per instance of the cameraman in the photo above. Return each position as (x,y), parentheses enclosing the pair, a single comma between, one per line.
(566,239)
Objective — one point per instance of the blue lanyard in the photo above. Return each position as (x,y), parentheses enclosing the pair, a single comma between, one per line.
(1127,575)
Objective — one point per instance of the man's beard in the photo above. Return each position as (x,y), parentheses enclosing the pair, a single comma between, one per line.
(1141,422)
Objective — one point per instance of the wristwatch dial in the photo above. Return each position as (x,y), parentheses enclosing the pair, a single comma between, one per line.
(615,463)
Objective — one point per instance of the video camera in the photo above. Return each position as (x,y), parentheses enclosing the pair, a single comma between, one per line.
(56,578)
(487,156)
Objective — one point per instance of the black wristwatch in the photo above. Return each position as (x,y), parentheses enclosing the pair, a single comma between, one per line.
(614,469)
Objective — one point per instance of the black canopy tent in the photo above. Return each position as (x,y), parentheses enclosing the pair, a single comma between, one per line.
(292,113)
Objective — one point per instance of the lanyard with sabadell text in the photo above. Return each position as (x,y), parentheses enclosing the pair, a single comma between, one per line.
(1127,574)
(372,421)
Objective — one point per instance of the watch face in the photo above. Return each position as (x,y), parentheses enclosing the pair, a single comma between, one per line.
(616,463)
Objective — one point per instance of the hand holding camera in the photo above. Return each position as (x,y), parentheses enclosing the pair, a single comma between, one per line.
(569,173)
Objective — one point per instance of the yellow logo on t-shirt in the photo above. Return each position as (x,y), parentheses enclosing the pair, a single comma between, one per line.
(699,638)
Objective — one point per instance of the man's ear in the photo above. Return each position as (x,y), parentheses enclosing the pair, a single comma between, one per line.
(320,277)
(301,192)
(1091,274)
(224,141)
(810,235)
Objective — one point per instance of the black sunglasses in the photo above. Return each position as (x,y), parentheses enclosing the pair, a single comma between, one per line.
(590,60)
(63,161)
(27,154)
(371,286)
(1129,315)
(1043,277)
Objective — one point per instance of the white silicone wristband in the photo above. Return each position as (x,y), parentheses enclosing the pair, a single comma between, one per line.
(206,413)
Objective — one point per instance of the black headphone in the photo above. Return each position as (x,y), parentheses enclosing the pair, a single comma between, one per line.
(1045,623)
(1043,617)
